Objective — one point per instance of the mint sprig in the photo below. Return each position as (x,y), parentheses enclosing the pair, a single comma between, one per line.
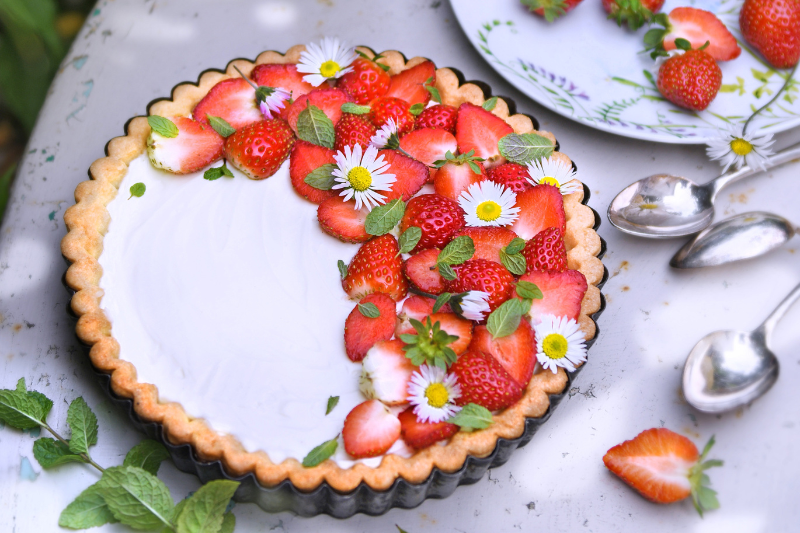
(163,126)
(524,148)
(314,126)
(511,257)
(429,345)
(147,455)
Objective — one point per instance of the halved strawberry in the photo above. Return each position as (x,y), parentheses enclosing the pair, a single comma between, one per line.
(698,27)
(562,294)
(353,130)
(438,116)
(306,158)
(410,175)
(448,321)
(284,76)
(479,130)
(484,381)
(385,373)
(488,241)
(233,100)
(376,267)
(196,146)
(428,144)
(456,174)
(341,220)
(365,82)
(421,270)
(546,251)
(386,107)
(420,435)
(329,100)
(369,430)
(540,207)
(516,352)
(409,85)
(512,175)
(438,217)
(260,148)
(361,332)
(486,276)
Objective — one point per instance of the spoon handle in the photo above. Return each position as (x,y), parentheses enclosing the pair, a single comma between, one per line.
(784,156)
(771,321)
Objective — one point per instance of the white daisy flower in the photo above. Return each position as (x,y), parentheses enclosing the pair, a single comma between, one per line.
(328,60)
(433,392)
(385,135)
(362,175)
(733,147)
(559,343)
(487,203)
(475,305)
(554,172)
(271,99)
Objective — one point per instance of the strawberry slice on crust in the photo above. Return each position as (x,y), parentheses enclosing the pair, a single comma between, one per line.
(419,435)
(196,146)
(546,252)
(370,429)
(451,179)
(284,76)
(479,130)
(562,294)
(512,175)
(329,100)
(410,175)
(376,267)
(341,220)
(485,382)
(421,270)
(362,332)
(428,144)
(306,158)
(540,207)
(516,352)
(386,372)
(482,275)
(409,85)
(488,241)
(259,149)
(233,100)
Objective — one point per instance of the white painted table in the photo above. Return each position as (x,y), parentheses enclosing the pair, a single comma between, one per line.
(132,51)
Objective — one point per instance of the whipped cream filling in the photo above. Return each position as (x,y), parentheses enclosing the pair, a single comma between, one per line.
(225,295)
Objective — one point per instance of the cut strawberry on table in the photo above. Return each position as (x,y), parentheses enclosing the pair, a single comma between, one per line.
(541,207)
(486,276)
(546,252)
(342,220)
(635,13)
(387,107)
(488,241)
(258,150)
(370,429)
(551,9)
(376,267)
(428,145)
(284,76)
(361,332)
(353,130)
(410,175)
(386,371)
(772,27)
(696,26)
(516,352)
(479,130)
(562,294)
(690,80)
(419,435)
(233,100)
(365,82)
(438,217)
(195,147)
(306,158)
(329,100)
(484,381)
(512,175)
(439,116)
(455,174)
(665,467)
(421,270)
(410,84)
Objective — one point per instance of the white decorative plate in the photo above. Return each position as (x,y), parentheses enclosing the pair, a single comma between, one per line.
(587,69)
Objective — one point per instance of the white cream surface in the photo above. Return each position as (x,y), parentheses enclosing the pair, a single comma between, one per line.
(226,295)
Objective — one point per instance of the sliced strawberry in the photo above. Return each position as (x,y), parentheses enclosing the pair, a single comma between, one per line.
(353,130)
(370,430)
(420,435)
(376,267)
(410,175)
(438,217)
(306,158)
(516,352)
(428,144)
(365,82)
(540,207)
(546,251)
(484,381)
(512,175)
(479,130)
(486,276)
(386,371)
(284,76)
(562,294)
(417,307)
(439,116)
(329,100)
(457,174)
(409,85)
(488,241)
(448,321)
(361,332)
(698,27)
(259,149)
(421,270)
(233,100)
(341,220)
(386,107)
(196,146)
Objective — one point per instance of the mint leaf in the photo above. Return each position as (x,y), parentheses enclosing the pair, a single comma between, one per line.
(515,263)
(137,190)
(203,512)
(215,173)
(136,497)
(355,109)
(228,523)
(457,251)
(529,291)
(83,424)
(163,126)
(490,104)
(369,310)
(505,319)
(342,269)
(441,300)
(221,126)
(321,177)
(321,453)
(446,271)
(383,218)
(89,509)
(409,239)
(147,455)
(416,109)
(314,126)
(515,246)
(51,452)
(333,401)
(22,409)
(428,85)
(472,416)
(524,148)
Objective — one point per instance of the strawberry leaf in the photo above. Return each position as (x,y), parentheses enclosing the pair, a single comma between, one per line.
(524,148)
(704,497)
(383,218)
(321,177)
(314,126)
(321,452)
(163,126)
(430,345)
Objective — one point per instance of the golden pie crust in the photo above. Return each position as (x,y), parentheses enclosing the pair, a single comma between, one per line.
(88,220)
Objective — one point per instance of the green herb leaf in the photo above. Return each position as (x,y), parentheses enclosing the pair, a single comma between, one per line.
(515,263)
(446,271)
(321,178)
(136,497)
(147,455)
(430,345)
(163,126)
(215,173)
(221,126)
(321,453)
(515,246)
(428,85)
(355,109)
(204,510)
(490,104)
(505,319)
(383,218)
(369,310)
(333,401)
(342,269)
(83,424)
(22,409)
(314,126)
(409,239)
(457,251)
(524,148)
(51,452)
(89,509)
(529,291)
(416,109)
(400,529)
(137,190)
(472,416)
(441,300)
(228,523)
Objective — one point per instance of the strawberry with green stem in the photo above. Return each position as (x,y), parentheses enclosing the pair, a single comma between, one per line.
(635,13)
(690,80)
(551,9)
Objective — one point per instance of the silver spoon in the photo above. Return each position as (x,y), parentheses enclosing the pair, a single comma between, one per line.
(663,206)
(740,237)
(728,369)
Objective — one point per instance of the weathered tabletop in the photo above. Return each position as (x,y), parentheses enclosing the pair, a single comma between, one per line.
(133,51)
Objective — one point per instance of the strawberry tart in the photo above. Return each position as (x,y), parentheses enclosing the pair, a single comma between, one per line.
(334,268)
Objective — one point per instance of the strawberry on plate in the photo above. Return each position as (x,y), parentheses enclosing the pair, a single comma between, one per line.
(479,130)
(546,251)
(485,381)
(385,372)
(486,276)
(562,294)
(439,116)
(448,321)
(307,157)
(690,80)
(421,271)
(365,82)
(772,27)
(665,467)
(540,207)
(419,435)
(376,267)
(410,175)
(195,147)
(696,26)
(410,84)
(329,100)
(386,107)
(438,217)
(551,9)
(428,145)
(516,352)
(361,332)
(353,130)
(633,12)
(233,100)
(455,174)
(284,76)
(258,150)
(342,220)
(512,175)
(370,429)
(488,241)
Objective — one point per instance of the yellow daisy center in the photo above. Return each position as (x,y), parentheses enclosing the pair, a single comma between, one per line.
(329,68)
(360,178)
(488,211)
(549,180)
(741,147)
(436,394)
(555,346)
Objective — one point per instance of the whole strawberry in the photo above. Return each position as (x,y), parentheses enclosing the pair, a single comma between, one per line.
(389,107)
(690,80)
(486,276)
(512,175)
(773,28)
(376,267)
(633,12)
(551,9)
(352,130)
(438,116)
(484,381)
(259,149)
(438,217)
(365,82)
